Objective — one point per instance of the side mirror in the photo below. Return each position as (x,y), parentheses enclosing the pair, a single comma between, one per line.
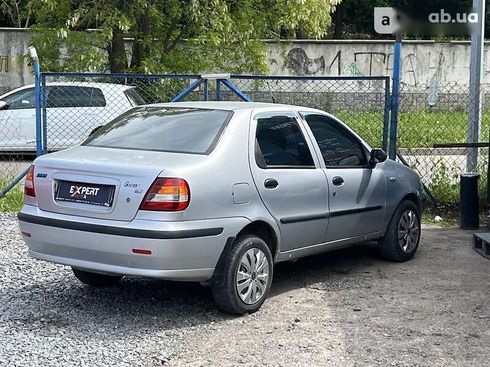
(377,156)
(3,105)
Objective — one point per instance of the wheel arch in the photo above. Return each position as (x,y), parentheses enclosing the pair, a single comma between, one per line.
(415,198)
(412,196)
(265,231)
(259,228)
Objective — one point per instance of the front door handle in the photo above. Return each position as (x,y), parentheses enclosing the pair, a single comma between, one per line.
(338,181)
(270,183)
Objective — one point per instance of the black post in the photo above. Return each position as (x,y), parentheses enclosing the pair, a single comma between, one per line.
(487,209)
(469,201)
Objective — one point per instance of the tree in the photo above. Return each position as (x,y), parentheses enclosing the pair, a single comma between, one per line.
(15,13)
(170,35)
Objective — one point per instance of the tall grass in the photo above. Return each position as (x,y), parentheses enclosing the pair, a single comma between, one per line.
(416,129)
(12,202)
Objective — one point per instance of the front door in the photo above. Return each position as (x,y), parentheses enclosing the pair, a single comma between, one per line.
(356,192)
(18,121)
(290,182)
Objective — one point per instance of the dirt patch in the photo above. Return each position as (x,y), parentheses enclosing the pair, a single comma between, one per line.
(349,308)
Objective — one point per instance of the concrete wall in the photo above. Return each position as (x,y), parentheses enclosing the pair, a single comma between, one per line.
(423,61)
(14,71)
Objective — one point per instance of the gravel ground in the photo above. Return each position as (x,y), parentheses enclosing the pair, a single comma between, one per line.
(346,308)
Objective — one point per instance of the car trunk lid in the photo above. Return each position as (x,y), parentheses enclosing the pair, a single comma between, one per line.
(99,182)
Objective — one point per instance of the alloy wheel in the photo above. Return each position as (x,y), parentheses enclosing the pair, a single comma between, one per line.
(408,231)
(252,276)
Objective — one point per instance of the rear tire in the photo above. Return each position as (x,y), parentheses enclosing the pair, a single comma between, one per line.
(402,236)
(95,279)
(247,277)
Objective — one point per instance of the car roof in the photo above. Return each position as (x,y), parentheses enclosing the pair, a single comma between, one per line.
(227,105)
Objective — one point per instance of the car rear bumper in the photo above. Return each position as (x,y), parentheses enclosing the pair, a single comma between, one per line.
(185,250)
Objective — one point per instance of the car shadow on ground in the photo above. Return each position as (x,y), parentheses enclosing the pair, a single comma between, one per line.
(143,303)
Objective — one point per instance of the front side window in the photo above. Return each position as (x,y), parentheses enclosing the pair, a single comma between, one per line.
(181,130)
(20,100)
(74,96)
(338,146)
(280,143)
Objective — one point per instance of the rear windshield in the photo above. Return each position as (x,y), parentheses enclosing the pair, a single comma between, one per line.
(181,130)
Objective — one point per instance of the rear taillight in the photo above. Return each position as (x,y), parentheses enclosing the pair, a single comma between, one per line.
(167,194)
(29,183)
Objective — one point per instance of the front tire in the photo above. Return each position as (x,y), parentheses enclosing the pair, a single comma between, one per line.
(403,233)
(247,277)
(95,279)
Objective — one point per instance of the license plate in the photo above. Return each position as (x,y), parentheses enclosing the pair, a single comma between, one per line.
(85,193)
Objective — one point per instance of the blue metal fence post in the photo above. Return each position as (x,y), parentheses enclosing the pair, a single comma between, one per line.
(187,90)
(206,90)
(37,99)
(386,116)
(218,89)
(243,96)
(395,95)
(44,119)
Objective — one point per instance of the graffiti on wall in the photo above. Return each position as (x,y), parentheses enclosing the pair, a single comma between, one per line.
(417,70)
(299,62)
(4,64)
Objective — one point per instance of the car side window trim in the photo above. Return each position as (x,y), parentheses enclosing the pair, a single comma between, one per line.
(362,147)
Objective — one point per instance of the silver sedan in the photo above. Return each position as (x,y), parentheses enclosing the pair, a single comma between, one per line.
(216,192)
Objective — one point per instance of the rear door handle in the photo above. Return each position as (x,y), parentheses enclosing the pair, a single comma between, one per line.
(338,181)
(270,183)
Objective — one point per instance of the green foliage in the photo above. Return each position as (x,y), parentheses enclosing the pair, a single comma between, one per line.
(328,101)
(73,51)
(15,13)
(12,202)
(177,36)
(444,183)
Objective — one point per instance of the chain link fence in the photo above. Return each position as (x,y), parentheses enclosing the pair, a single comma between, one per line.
(17,145)
(73,104)
(432,133)
(360,102)
(430,122)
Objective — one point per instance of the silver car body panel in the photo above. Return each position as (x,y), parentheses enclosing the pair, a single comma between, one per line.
(227,192)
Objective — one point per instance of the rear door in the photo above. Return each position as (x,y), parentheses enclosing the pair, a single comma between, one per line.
(357,194)
(288,179)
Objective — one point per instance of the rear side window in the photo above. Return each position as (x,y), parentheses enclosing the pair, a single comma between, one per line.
(74,96)
(280,143)
(181,130)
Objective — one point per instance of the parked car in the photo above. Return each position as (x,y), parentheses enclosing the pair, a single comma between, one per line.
(73,110)
(216,192)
